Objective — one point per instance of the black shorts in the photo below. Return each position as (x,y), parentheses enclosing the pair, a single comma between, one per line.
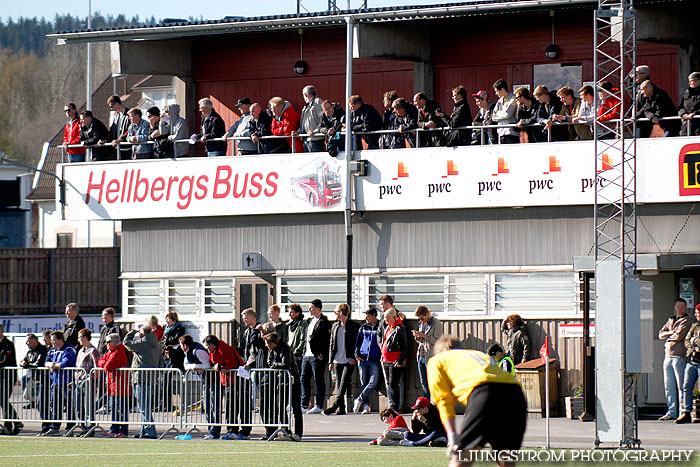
(496,414)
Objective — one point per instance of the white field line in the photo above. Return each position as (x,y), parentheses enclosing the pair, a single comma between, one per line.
(208,453)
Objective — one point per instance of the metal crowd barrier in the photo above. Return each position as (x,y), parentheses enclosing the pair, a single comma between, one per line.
(150,397)
(214,399)
(50,397)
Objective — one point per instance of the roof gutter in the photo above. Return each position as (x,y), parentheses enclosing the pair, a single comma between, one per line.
(169,32)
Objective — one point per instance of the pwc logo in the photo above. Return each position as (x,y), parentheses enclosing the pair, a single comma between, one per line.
(401,171)
(689,170)
(554,165)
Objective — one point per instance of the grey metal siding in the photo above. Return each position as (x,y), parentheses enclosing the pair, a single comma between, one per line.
(469,237)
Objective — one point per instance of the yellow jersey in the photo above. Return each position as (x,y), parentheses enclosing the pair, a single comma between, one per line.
(453,375)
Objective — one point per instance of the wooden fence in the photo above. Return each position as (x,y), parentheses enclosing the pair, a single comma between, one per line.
(36,281)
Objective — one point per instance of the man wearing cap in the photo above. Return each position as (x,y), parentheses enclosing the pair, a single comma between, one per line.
(483,117)
(368,355)
(318,336)
(243,129)
(426,427)
(311,116)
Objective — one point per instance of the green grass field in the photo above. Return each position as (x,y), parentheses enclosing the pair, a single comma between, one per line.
(55,452)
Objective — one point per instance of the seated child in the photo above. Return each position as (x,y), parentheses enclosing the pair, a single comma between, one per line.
(393,435)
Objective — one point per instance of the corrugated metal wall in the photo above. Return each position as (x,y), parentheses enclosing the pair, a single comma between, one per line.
(470,237)
(87,276)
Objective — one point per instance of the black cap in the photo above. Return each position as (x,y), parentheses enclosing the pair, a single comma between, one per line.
(371,311)
(244,101)
(154,111)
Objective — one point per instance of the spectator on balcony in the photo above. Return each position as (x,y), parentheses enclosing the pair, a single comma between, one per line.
(178,130)
(262,126)
(570,105)
(654,104)
(518,340)
(461,116)
(146,354)
(315,359)
(332,123)
(159,130)
(364,118)
(609,111)
(311,115)
(342,355)
(71,134)
(119,127)
(385,140)
(138,133)
(212,128)
(118,386)
(285,121)
(642,74)
(430,116)
(548,107)
(243,128)
(690,106)
(368,355)
(92,131)
(61,356)
(484,116)
(504,113)
(526,116)
(586,112)
(429,331)
(403,121)
(110,327)
(74,324)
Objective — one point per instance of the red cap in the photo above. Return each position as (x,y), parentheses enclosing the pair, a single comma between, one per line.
(481,94)
(697,307)
(421,402)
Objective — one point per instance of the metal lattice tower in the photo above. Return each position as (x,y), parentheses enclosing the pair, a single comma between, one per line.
(615,214)
(333,6)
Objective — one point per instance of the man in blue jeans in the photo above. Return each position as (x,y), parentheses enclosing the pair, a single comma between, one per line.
(674,332)
(429,331)
(692,367)
(318,336)
(368,356)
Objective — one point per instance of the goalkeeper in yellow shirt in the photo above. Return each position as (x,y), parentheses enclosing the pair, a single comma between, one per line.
(496,411)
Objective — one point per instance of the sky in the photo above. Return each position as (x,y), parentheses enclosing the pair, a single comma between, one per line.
(212,9)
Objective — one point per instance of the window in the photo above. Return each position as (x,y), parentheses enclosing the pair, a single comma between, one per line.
(64,240)
(468,293)
(557,75)
(182,296)
(409,291)
(143,297)
(330,290)
(535,293)
(218,296)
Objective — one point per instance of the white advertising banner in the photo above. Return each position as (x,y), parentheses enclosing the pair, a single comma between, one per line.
(214,186)
(518,175)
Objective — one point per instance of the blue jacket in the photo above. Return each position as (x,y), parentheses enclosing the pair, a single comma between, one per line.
(141,133)
(366,345)
(66,357)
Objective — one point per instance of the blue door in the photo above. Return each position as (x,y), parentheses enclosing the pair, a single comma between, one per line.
(12,234)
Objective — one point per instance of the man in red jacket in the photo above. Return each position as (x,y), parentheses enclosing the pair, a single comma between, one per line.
(71,134)
(226,360)
(285,121)
(118,385)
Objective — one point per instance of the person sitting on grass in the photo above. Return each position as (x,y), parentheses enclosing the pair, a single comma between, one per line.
(394,433)
(426,427)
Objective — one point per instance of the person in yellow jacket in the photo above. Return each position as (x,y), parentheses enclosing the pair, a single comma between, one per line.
(496,411)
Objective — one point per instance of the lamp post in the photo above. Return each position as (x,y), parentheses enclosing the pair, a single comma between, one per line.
(88,77)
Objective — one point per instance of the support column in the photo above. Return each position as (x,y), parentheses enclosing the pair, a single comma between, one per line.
(423,78)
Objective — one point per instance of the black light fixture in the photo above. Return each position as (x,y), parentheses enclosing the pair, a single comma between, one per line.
(552,51)
(300,67)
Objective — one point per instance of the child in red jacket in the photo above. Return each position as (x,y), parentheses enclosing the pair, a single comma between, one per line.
(393,435)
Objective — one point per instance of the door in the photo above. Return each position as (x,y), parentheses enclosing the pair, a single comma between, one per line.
(255,293)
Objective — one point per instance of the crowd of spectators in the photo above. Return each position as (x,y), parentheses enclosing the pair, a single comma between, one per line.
(511,116)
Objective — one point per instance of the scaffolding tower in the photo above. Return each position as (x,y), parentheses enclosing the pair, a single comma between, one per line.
(333,6)
(615,219)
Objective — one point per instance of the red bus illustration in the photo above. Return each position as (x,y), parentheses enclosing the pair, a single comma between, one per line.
(318,183)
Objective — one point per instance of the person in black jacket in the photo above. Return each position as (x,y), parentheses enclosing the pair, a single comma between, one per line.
(484,113)
(261,122)
(527,115)
(364,117)
(461,116)
(332,122)
(212,127)
(654,104)
(386,140)
(74,324)
(8,378)
(35,382)
(110,327)
(318,335)
(279,357)
(93,131)
(426,426)
(394,346)
(404,120)
(429,116)
(119,128)
(342,356)
(690,106)
(549,105)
